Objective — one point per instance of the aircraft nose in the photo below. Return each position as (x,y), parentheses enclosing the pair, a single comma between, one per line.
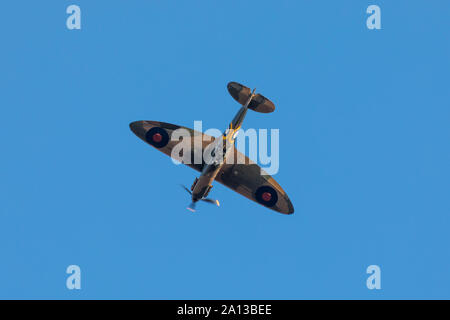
(138,128)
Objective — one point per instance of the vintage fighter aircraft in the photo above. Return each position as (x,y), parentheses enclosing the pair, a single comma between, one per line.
(246,178)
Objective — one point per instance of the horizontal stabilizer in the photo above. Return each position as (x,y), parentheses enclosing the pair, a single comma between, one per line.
(241,94)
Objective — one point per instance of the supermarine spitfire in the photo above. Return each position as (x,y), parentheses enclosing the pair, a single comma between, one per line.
(246,178)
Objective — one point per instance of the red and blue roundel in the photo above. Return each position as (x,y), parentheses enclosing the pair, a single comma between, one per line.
(157,137)
(267,196)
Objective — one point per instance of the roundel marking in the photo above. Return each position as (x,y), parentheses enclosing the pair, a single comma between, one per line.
(157,137)
(266,195)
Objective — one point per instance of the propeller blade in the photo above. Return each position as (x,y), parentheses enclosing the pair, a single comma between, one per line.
(212,201)
(187,190)
(191,207)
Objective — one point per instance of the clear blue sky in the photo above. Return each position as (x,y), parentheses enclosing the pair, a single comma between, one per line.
(364,153)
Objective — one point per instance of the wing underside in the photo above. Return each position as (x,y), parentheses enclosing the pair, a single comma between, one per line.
(252,182)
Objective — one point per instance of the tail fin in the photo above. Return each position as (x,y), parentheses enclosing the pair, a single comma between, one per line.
(241,93)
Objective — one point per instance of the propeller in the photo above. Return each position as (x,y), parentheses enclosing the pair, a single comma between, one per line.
(191,207)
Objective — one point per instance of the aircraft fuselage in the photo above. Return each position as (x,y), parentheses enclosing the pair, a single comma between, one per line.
(203,184)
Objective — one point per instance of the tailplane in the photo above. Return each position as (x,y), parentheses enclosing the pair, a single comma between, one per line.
(241,94)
